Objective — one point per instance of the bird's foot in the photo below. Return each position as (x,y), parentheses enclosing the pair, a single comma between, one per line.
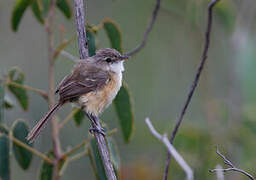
(98,130)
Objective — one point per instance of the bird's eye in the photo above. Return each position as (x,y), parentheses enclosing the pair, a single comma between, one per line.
(108,60)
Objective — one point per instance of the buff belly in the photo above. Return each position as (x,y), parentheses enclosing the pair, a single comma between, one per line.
(97,101)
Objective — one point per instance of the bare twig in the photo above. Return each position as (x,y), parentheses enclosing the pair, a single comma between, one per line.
(77,147)
(195,81)
(232,167)
(83,50)
(34,151)
(38,91)
(69,117)
(69,56)
(148,29)
(171,149)
(81,32)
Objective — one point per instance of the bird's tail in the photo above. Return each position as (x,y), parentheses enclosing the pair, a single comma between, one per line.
(40,125)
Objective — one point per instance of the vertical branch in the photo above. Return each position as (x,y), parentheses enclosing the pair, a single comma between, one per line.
(83,50)
(81,32)
(51,100)
(195,81)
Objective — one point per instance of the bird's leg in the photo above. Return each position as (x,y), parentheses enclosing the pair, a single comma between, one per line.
(95,126)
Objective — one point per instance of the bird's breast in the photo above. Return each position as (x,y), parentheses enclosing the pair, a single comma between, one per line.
(96,101)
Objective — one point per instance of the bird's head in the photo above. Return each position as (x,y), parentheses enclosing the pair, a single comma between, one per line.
(110,59)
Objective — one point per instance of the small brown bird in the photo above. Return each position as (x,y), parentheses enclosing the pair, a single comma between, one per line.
(93,84)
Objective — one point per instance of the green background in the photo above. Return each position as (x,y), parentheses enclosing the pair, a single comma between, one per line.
(222,111)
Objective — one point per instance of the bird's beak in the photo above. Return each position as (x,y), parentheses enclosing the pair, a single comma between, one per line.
(124,57)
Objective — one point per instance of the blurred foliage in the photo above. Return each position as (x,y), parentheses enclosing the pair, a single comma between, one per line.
(24,157)
(15,83)
(78,116)
(113,33)
(46,169)
(228,82)
(4,158)
(17,76)
(123,101)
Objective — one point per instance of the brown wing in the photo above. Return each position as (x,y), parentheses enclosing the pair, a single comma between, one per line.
(84,78)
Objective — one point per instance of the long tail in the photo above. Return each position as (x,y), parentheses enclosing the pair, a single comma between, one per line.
(41,124)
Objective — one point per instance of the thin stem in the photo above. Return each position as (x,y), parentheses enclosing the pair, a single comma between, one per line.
(78,156)
(38,91)
(69,56)
(77,147)
(56,143)
(195,81)
(148,29)
(232,167)
(69,117)
(34,151)
(73,158)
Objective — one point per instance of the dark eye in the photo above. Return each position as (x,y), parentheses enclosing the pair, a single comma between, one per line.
(108,60)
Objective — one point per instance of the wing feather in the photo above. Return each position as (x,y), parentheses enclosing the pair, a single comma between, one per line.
(83,79)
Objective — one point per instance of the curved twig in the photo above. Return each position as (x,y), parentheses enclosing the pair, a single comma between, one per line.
(147,31)
(195,81)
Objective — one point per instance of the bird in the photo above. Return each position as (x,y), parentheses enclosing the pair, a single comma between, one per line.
(92,85)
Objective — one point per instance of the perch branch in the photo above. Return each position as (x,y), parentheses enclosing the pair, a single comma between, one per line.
(195,81)
(171,149)
(81,32)
(148,29)
(83,50)
(232,167)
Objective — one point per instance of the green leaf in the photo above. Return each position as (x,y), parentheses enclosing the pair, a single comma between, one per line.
(114,34)
(19,8)
(40,11)
(124,110)
(78,116)
(36,11)
(17,76)
(4,158)
(65,7)
(8,103)
(2,88)
(46,169)
(4,129)
(20,131)
(91,41)
(96,160)
(114,155)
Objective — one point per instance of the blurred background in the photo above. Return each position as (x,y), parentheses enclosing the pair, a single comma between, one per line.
(222,111)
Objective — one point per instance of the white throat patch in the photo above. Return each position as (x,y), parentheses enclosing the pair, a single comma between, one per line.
(117,67)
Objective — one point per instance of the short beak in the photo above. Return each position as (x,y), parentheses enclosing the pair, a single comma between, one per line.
(124,57)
